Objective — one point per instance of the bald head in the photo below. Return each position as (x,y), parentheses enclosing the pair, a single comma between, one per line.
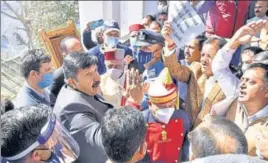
(70,44)
(215,136)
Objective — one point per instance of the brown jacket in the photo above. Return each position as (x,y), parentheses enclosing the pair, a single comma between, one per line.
(251,130)
(196,84)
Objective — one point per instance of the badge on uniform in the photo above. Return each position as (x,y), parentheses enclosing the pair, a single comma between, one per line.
(164,135)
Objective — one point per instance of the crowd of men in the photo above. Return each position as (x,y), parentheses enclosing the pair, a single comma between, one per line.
(145,100)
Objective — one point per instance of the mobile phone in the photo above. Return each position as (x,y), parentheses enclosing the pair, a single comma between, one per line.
(96,24)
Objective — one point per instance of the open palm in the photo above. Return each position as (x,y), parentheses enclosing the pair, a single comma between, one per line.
(245,33)
(134,89)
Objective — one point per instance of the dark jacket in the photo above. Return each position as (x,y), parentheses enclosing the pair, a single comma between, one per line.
(87,40)
(81,115)
(58,81)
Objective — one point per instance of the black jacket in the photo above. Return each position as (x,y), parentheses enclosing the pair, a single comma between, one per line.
(81,115)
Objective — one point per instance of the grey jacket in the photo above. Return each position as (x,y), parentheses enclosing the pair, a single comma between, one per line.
(81,115)
(27,96)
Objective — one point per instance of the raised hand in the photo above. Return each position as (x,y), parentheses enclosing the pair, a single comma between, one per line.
(245,33)
(134,91)
(264,37)
(167,32)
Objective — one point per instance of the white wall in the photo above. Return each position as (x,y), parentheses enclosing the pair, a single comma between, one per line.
(125,12)
(90,11)
(150,7)
(131,13)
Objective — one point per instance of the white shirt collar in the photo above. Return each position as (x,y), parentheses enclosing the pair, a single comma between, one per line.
(262,113)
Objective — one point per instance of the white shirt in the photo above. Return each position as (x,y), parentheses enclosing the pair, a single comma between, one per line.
(228,82)
(226,79)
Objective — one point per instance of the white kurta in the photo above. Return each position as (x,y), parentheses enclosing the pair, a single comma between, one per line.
(112,90)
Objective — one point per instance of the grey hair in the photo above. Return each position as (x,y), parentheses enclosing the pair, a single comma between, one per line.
(261,57)
(212,39)
(263,66)
(63,45)
(206,142)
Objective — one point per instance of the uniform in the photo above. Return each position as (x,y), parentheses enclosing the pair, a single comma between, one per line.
(166,141)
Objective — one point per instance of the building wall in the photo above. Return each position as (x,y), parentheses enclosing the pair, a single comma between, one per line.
(125,12)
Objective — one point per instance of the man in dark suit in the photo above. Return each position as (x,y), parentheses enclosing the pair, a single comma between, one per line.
(67,45)
(81,109)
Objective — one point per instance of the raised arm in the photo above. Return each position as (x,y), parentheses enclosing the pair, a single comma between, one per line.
(178,71)
(220,65)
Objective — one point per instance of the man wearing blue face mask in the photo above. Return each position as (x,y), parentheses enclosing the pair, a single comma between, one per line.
(141,57)
(37,70)
(111,36)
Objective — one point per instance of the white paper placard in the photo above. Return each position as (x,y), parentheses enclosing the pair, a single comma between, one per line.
(186,23)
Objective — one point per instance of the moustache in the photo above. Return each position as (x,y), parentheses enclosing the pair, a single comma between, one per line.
(96,84)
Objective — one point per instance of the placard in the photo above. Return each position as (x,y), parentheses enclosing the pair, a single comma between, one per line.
(186,23)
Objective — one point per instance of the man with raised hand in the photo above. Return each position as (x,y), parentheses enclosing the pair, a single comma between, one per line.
(248,98)
(203,89)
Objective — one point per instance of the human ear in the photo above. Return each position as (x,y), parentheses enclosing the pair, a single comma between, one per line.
(72,83)
(36,155)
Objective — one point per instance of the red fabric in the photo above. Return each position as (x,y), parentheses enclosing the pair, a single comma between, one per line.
(136,27)
(109,55)
(168,150)
(222,19)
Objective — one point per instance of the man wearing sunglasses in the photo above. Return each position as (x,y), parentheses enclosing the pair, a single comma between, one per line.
(31,134)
